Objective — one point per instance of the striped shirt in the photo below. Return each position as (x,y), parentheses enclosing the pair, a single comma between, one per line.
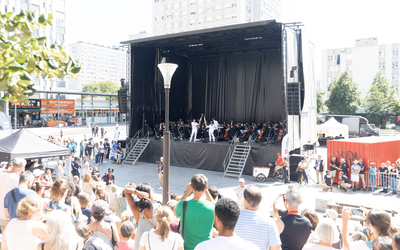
(258,229)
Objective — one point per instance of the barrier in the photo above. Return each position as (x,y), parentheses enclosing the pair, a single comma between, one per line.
(387,182)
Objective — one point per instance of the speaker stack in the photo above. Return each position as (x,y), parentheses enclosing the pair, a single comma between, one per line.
(293,98)
(123,101)
(294,160)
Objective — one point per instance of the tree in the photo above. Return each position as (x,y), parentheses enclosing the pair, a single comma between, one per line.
(24,55)
(320,100)
(107,87)
(344,97)
(382,98)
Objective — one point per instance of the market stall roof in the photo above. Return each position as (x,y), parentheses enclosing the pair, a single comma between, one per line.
(24,144)
(333,128)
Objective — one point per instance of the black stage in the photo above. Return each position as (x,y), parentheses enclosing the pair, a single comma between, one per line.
(208,156)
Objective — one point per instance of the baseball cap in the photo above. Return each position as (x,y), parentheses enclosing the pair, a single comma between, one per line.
(355,161)
(331,213)
(279,154)
(99,207)
(241,180)
(38,172)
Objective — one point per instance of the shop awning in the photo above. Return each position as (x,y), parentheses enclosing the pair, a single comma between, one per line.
(24,144)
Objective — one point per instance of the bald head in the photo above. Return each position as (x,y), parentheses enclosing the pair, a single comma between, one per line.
(253,196)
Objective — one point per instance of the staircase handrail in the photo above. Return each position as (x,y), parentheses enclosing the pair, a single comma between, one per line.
(133,141)
(147,135)
(230,151)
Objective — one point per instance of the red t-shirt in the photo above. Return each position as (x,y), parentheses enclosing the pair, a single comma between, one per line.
(279,161)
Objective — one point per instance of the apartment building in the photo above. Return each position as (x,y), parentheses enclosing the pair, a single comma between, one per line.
(173,16)
(362,61)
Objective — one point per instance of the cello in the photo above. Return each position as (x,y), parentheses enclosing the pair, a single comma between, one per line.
(280,135)
(261,134)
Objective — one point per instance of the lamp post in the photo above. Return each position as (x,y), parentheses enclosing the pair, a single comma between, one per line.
(167,70)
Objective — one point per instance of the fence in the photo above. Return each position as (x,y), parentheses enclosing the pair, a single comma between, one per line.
(389,182)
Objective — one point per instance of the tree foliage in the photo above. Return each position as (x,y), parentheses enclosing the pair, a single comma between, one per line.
(382,98)
(24,55)
(320,100)
(107,87)
(344,96)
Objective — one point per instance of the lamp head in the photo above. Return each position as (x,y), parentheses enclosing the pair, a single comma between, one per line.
(167,70)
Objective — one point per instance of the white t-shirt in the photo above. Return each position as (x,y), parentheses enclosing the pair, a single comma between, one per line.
(359,245)
(85,171)
(313,246)
(174,240)
(8,181)
(228,243)
(101,149)
(194,125)
(239,192)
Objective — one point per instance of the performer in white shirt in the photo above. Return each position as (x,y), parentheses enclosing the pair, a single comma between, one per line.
(194,130)
(211,129)
(216,127)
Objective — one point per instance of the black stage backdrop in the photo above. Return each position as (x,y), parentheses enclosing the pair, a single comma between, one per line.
(246,88)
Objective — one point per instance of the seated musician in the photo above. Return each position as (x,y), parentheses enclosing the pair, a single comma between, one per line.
(186,131)
(175,131)
(232,132)
(201,133)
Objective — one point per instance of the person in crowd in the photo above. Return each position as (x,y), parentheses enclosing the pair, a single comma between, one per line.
(59,192)
(87,152)
(213,190)
(343,166)
(14,196)
(84,201)
(119,154)
(227,214)
(109,179)
(312,216)
(382,243)
(327,183)
(9,181)
(160,174)
(98,212)
(81,149)
(286,170)
(70,199)
(78,188)
(240,190)
(96,153)
(362,173)
(294,228)
(333,215)
(97,131)
(86,169)
(396,241)
(101,193)
(101,152)
(279,213)
(76,167)
(161,237)
(344,182)
(143,208)
(372,176)
(27,231)
(127,232)
(278,165)
(355,171)
(40,190)
(301,170)
(59,170)
(122,203)
(102,132)
(327,234)
(334,167)
(254,226)
(393,174)
(383,170)
(377,221)
(62,233)
(88,186)
(125,216)
(198,212)
(113,200)
(319,168)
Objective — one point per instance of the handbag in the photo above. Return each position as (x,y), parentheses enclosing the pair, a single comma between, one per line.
(151,224)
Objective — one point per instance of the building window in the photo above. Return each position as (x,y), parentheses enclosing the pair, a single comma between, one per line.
(395,76)
(5,9)
(349,56)
(24,1)
(330,58)
(60,22)
(381,53)
(349,67)
(192,2)
(381,65)
(60,37)
(329,79)
(337,68)
(156,1)
(395,65)
(395,53)
(192,12)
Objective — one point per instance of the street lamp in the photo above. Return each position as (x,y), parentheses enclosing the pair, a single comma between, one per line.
(167,70)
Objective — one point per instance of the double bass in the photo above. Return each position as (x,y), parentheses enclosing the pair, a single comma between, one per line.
(227,133)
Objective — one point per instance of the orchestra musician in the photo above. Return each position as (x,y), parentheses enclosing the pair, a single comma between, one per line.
(195,126)
(202,131)
(211,129)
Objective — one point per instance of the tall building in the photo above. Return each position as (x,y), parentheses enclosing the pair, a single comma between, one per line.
(99,63)
(173,16)
(362,62)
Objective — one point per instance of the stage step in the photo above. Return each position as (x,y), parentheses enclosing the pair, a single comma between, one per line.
(136,151)
(237,161)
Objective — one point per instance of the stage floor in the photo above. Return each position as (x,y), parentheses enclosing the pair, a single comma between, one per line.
(208,156)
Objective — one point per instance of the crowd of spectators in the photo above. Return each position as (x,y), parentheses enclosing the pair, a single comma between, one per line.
(40,211)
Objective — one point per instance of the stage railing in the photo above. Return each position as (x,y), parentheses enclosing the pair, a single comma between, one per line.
(388,182)
(132,142)
(146,135)
(230,151)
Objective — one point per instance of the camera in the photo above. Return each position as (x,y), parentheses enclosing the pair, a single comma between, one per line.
(356,212)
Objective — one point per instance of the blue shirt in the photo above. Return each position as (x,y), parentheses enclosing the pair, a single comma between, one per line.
(20,193)
(87,211)
(257,228)
(372,171)
(346,180)
(344,168)
(382,170)
(362,168)
(328,180)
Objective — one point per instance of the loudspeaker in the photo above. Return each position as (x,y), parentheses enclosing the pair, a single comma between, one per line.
(123,101)
(308,146)
(293,98)
(295,151)
(294,160)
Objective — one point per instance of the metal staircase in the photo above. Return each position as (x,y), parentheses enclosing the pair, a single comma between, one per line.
(237,156)
(137,149)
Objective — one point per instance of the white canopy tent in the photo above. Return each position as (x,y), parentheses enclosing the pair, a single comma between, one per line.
(333,128)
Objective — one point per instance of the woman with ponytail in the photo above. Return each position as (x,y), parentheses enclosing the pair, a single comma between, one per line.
(162,237)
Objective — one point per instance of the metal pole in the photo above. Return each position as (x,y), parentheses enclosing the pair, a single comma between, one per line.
(15,115)
(47,106)
(166,150)
(92,111)
(58,111)
(109,114)
(82,109)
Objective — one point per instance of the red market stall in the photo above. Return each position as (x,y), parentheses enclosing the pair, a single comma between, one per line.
(369,149)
